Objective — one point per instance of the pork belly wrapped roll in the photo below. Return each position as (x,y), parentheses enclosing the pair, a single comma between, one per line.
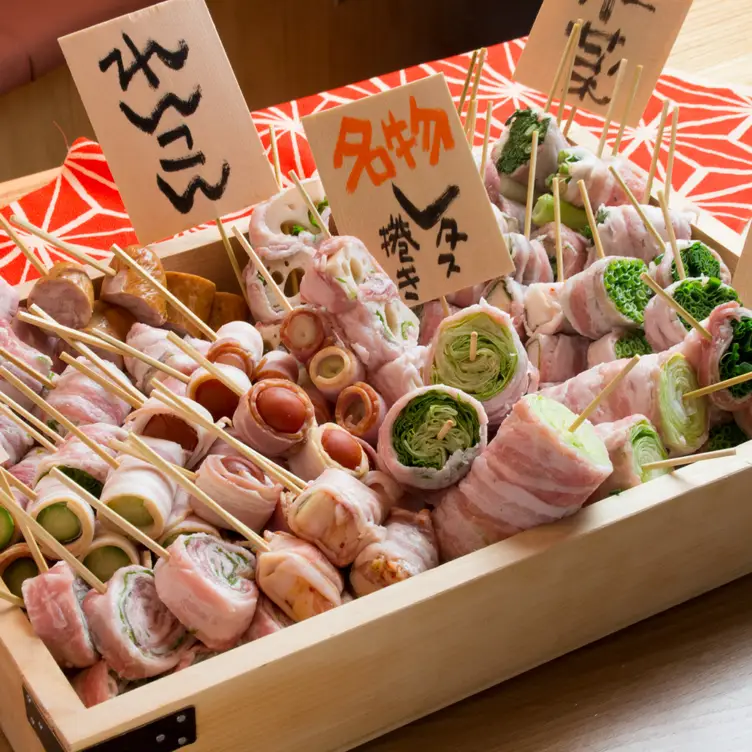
(339,514)
(623,233)
(97,684)
(511,153)
(53,604)
(510,207)
(409,548)
(190,524)
(534,471)
(297,577)
(558,357)
(400,377)
(84,401)
(239,487)
(544,313)
(268,619)
(431,436)
(432,314)
(8,302)
(14,441)
(304,332)
(496,372)
(278,364)
(530,258)
(509,296)
(575,249)
(109,552)
(208,391)
(25,469)
(664,328)
(334,369)
(238,344)
(328,446)
(140,492)
(699,261)
(130,291)
(29,355)
(618,344)
(609,294)
(361,411)
(16,566)
(654,388)
(274,416)
(209,585)
(157,420)
(197,653)
(631,442)
(65,293)
(133,630)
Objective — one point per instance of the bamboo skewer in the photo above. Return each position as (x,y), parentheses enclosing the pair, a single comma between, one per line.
(473,346)
(591,219)
(174,301)
(656,152)
(233,261)
(445,429)
(105,383)
(612,106)
(112,516)
(263,271)
(71,250)
(27,252)
(24,426)
(466,85)
(531,184)
(678,260)
(671,153)
(478,74)
(445,306)
(557,231)
(486,138)
(593,406)
(566,85)
(570,120)
(58,416)
(11,599)
(309,203)
(719,386)
(7,480)
(649,226)
(146,560)
(275,156)
(627,109)
(686,315)
(27,369)
(131,451)
(52,543)
(64,331)
(206,364)
(573,36)
(19,485)
(204,498)
(689,459)
(472,113)
(40,425)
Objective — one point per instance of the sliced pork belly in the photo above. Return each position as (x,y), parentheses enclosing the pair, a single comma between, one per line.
(401,376)
(29,355)
(530,258)
(25,469)
(558,357)
(97,684)
(14,441)
(575,248)
(268,619)
(544,313)
(618,344)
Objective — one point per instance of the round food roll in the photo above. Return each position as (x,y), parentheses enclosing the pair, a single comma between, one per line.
(304,332)
(109,552)
(328,446)
(189,525)
(558,357)
(267,620)
(410,449)
(277,365)
(238,344)
(9,533)
(699,260)
(114,321)
(227,307)
(618,344)
(64,514)
(66,294)
(274,416)
(239,487)
(361,411)
(206,389)
(16,566)
(97,684)
(196,293)
(333,369)
(129,291)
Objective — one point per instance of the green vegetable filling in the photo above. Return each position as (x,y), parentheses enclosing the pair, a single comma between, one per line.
(416,429)
(106,560)
(737,359)
(60,522)
(627,291)
(571,216)
(647,447)
(631,344)
(319,208)
(516,151)
(682,422)
(700,296)
(727,436)
(17,572)
(87,482)
(600,218)
(7,528)
(133,509)
(699,261)
(565,160)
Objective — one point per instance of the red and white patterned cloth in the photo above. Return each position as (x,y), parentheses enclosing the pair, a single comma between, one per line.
(713,164)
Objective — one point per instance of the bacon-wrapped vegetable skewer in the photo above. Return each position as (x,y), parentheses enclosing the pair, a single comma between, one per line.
(328,446)
(361,411)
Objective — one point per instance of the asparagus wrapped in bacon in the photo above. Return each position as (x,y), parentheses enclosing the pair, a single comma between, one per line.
(699,261)
(618,344)
(328,446)
(361,411)
(431,436)
(209,585)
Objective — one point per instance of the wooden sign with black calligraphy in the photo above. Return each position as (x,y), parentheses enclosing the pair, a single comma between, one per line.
(400,176)
(643,31)
(743,273)
(170,117)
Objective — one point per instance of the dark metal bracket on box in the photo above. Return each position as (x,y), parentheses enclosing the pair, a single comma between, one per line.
(167,734)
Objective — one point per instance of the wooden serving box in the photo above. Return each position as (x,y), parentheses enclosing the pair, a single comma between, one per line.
(382,661)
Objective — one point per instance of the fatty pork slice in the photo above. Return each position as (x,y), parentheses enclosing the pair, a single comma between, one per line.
(268,619)
(328,446)
(700,260)
(8,302)
(530,258)
(97,684)
(543,310)
(618,344)
(53,604)
(14,441)
(132,628)
(209,585)
(84,401)
(401,376)
(240,488)
(575,249)
(623,233)
(558,357)
(609,294)
(408,549)
(297,577)
(25,469)
(238,344)
(534,471)
(339,514)
(29,355)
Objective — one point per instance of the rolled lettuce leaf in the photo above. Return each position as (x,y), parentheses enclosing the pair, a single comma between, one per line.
(684,423)
(409,447)
(500,373)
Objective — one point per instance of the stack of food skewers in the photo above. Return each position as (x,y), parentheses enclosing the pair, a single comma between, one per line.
(181,481)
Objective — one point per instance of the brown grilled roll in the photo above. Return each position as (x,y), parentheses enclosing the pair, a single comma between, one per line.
(112,320)
(227,307)
(66,294)
(197,293)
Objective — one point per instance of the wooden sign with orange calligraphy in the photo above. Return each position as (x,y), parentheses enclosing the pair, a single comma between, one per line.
(399,175)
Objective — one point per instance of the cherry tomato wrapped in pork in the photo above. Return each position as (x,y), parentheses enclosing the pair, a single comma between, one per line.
(328,446)
(218,398)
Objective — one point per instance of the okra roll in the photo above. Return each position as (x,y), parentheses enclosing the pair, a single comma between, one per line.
(209,585)
(109,552)
(333,369)
(631,442)
(16,566)
(431,436)
(274,416)
(491,366)
(699,261)
(339,514)
(328,446)
(361,411)
(133,630)
(53,604)
(220,400)
(618,344)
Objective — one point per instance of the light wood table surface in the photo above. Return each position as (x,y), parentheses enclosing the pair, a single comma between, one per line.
(679,682)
